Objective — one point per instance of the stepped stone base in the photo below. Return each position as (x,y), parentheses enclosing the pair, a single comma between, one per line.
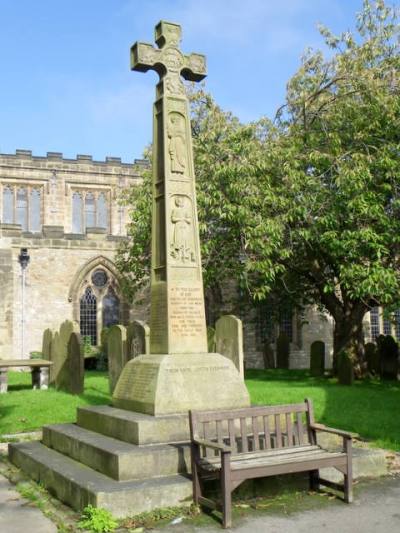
(123,461)
(78,485)
(160,384)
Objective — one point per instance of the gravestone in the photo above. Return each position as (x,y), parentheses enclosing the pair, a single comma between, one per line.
(372,356)
(117,354)
(179,373)
(62,375)
(74,365)
(268,355)
(138,339)
(389,357)
(317,358)
(46,343)
(229,340)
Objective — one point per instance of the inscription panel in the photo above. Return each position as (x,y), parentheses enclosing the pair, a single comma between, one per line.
(187,315)
(140,378)
(158,319)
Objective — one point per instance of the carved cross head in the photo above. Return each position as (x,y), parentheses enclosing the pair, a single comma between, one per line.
(168,58)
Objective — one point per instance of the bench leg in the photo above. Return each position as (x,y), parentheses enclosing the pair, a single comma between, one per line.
(195,454)
(3,380)
(348,477)
(314,479)
(226,490)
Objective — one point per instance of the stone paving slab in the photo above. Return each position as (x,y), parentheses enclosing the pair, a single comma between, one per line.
(18,514)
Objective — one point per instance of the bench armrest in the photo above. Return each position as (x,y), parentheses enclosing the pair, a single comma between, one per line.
(210,444)
(341,433)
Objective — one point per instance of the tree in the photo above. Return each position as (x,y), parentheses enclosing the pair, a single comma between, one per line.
(307,206)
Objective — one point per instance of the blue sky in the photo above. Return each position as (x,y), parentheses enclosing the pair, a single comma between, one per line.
(65,79)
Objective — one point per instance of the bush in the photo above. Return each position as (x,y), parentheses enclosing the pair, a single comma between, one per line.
(372,356)
(389,357)
(345,368)
(97,519)
(35,355)
(282,351)
(317,359)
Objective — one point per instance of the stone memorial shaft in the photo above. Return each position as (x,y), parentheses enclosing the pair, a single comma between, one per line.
(179,373)
(177,321)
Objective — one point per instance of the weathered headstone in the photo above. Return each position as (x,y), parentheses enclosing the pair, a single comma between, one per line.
(211,342)
(46,343)
(179,373)
(137,338)
(74,365)
(62,375)
(229,340)
(282,351)
(268,355)
(317,358)
(117,353)
(389,357)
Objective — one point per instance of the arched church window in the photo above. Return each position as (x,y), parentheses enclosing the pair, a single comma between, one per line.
(90,210)
(34,211)
(102,214)
(8,205)
(77,222)
(375,323)
(286,322)
(99,278)
(397,323)
(387,326)
(88,315)
(110,308)
(22,208)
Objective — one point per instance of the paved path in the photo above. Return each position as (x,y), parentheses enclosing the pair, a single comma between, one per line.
(376,510)
(18,515)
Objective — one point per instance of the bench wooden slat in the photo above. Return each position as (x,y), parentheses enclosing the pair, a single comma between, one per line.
(299,428)
(278,431)
(243,434)
(256,440)
(267,434)
(231,429)
(218,428)
(289,429)
(251,411)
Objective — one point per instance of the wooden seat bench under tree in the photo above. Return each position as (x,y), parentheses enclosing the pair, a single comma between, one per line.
(261,441)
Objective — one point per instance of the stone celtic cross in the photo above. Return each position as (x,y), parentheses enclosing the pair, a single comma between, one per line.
(177,323)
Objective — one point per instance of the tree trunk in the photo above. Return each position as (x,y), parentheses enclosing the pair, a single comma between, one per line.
(348,336)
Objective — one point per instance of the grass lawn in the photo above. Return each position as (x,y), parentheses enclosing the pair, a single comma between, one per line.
(370,408)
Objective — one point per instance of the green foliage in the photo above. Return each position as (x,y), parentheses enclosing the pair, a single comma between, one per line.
(87,345)
(389,357)
(211,342)
(35,355)
(307,206)
(345,368)
(317,358)
(97,519)
(372,356)
(282,351)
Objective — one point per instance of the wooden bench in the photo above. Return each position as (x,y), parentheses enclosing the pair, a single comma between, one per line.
(39,369)
(261,441)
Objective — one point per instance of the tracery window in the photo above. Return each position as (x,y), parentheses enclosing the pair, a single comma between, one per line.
(100,305)
(375,323)
(397,323)
(22,205)
(90,209)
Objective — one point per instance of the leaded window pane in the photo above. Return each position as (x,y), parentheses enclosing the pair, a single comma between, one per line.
(22,208)
(34,211)
(88,316)
(387,326)
(110,309)
(8,205)
(90,211)
(397,323)
(102,211)
(375,324)
(77,226)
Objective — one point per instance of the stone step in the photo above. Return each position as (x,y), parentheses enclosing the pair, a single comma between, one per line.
(78,485)
(132,427)
(114,458)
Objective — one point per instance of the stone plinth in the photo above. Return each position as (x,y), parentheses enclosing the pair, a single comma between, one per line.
(160,384)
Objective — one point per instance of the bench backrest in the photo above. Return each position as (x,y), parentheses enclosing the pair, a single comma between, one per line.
(255,428)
